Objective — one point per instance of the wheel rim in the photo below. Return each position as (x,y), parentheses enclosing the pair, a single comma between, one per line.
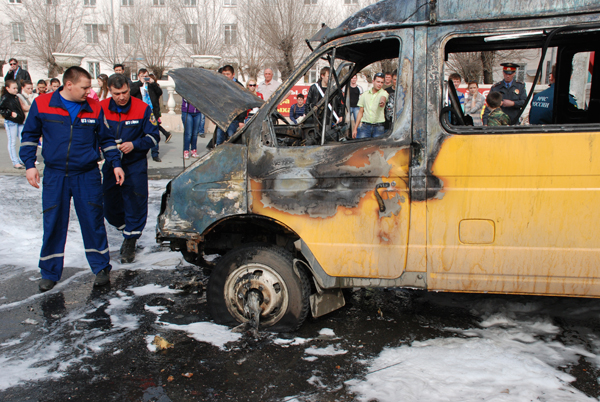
(261,278)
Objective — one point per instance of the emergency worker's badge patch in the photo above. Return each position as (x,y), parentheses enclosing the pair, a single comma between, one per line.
(517,91)
(153,119)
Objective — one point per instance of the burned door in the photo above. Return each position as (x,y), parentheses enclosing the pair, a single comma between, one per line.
(346,199)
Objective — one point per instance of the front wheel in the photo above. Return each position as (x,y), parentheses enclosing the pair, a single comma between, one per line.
(283,291)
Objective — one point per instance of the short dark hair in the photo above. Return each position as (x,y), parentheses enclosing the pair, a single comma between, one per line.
(473,82)
(119,65)
(74,74)
(494,99)
(53,80)
(455,76)
(13,59)
(323,71)
(26,82)
(388,73)
(395,73)
(41,82)
(142,70)
(117,81)
(229,68)
(300,96)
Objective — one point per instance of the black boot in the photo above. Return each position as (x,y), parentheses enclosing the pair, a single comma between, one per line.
(128,251)
(102,278)
(46,284)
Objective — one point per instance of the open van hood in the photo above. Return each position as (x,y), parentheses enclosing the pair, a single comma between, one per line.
(217,97)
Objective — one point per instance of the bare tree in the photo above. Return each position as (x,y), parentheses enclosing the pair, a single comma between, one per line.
(249,51)
(479,66)
(6,44)
(281,25)
(51,26)
(201,28)
(157,39)
(117,41)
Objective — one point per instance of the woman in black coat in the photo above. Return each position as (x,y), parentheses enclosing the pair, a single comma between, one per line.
(10,109)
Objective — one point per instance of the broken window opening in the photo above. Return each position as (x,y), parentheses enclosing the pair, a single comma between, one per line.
(322,115)
(566,100)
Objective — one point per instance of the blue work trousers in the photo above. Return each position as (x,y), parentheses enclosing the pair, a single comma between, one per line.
(86,191)
(126,206)
(191,128)
(224,136)
(370,131)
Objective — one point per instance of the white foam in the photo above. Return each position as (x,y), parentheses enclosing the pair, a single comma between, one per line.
(330,350)
(218,335)
(327,332)
(453,369)
(152,289)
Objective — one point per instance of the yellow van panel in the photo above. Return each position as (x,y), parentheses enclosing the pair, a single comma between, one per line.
(542,194)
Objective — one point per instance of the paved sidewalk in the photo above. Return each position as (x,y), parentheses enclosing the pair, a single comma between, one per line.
(171,154)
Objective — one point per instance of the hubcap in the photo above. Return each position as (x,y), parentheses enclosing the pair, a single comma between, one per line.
(263,279)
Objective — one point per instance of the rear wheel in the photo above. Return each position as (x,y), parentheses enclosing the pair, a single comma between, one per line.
(267,270)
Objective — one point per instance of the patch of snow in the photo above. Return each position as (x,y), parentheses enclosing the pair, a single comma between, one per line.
(218,335)
(149,344)
(158,310)
(291,342)
(327,332)
(310,358)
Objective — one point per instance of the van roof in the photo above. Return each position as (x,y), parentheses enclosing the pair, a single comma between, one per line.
(387,14)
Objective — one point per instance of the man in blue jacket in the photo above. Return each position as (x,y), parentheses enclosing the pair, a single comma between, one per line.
(73,127)
(136,131)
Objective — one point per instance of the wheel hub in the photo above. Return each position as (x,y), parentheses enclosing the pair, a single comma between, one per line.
(256,278)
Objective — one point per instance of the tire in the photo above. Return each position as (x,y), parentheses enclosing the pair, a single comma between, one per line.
(285,290)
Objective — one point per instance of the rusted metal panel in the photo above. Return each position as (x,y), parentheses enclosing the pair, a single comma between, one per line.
(212,188)
(216,96)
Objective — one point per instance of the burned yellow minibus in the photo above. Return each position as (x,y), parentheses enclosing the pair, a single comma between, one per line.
(297,212)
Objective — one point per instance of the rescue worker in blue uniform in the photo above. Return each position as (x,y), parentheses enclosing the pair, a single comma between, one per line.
(73,127)
(136,131)
(514,94)
(542,104)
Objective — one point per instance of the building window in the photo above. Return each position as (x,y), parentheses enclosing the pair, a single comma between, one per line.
(158,3)
(230,34)
(230,3)
(191,34)
(89,3)
(310,2)
(310,30)
(18,30)
(15,1)
(127,3)
(54,33)
(51,2)
(91,33)
(190,3)
(94,68)
(160,33)
(131,70)
(350,1)
(128,34)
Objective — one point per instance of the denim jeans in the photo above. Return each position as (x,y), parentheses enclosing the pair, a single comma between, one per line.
(370,131)
(222,136)
(191,128)
(13,130)
(354,112)
(201,127)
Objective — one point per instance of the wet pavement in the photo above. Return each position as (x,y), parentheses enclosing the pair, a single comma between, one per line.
(84,344)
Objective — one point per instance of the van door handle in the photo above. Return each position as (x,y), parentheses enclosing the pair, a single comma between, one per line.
(378,196)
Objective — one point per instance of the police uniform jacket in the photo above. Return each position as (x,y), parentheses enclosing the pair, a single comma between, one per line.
(136,124)
(69,147)
(516,93)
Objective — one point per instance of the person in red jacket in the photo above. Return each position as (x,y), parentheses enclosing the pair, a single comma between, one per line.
(136,131)
(73,127)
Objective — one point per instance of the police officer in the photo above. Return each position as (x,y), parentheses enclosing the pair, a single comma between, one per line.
(73,126)
(136,130)
(514,94)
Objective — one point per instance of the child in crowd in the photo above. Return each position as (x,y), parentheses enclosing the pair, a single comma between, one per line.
(497,117)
